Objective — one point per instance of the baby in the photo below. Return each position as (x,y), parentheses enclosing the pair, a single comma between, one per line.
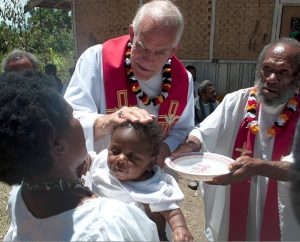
(127,171)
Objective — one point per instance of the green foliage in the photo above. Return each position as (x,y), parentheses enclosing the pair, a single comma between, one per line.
(8,38)
(11,26)
(47,33)
(50,28)
(63,62)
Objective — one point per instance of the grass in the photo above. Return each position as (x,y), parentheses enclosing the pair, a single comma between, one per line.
(4,221)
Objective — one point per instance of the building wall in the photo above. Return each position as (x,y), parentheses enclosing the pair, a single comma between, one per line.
(98,20)
(227,76)
(242,28)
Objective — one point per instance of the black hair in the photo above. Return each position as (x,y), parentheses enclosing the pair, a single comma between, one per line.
(50,69)
(150,130)
(190,67)
(31,112)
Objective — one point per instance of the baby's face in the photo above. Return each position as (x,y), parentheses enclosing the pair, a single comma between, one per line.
(129,155)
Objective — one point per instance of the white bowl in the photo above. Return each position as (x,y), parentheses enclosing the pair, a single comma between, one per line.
(199,166)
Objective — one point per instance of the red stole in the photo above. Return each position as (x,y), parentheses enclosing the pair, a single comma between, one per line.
(117,86)
(240,191)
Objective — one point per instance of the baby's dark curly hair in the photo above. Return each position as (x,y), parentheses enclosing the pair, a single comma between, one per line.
(31,112)
(151,130)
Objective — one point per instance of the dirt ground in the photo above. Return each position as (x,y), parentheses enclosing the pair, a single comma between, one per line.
(192,207)
(4,223)
(193,210)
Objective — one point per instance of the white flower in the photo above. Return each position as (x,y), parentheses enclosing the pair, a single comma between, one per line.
(292,106)
(250,115)
(165,94)
(127,61)
(251,98)
(280,121)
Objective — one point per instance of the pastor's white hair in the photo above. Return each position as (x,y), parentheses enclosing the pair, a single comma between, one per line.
(162,12)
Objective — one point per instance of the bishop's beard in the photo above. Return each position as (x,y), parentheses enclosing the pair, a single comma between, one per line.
(285,95)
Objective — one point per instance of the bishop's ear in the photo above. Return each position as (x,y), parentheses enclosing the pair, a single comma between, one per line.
(57,145)
(131,33)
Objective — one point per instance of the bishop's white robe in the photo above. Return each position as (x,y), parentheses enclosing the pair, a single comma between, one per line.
(218,132)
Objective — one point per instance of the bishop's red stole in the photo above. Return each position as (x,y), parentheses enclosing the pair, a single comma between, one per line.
(240,191)
(117,87)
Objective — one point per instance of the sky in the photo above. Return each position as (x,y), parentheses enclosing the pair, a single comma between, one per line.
(23,2)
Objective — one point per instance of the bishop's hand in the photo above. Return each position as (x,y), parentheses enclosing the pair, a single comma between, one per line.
(242,168)
(104,124)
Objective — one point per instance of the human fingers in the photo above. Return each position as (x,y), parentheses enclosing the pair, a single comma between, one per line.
(230,177)
(237,164)
(186,148)
(221,179)
(181,149)
(177,234)
(182,234)
(134,114)
(142,115)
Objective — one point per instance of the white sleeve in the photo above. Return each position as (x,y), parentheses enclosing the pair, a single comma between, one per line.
(290,158)
(185,124)
(218,131)
(85,92)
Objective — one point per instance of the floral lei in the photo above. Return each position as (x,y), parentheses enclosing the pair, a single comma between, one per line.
(135,86)
(281,120)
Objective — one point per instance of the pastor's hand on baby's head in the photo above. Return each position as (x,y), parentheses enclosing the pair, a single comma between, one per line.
(133,114)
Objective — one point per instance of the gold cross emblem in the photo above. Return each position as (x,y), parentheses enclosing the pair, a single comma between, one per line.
(243,150)
(168,120)
(122,98)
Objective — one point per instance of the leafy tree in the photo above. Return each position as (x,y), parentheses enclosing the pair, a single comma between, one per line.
(47,33)
(51,37)
(12,25)
(9,37)
(50,28)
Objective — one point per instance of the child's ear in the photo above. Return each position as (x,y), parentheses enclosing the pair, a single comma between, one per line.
(152,162)
(57,145)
